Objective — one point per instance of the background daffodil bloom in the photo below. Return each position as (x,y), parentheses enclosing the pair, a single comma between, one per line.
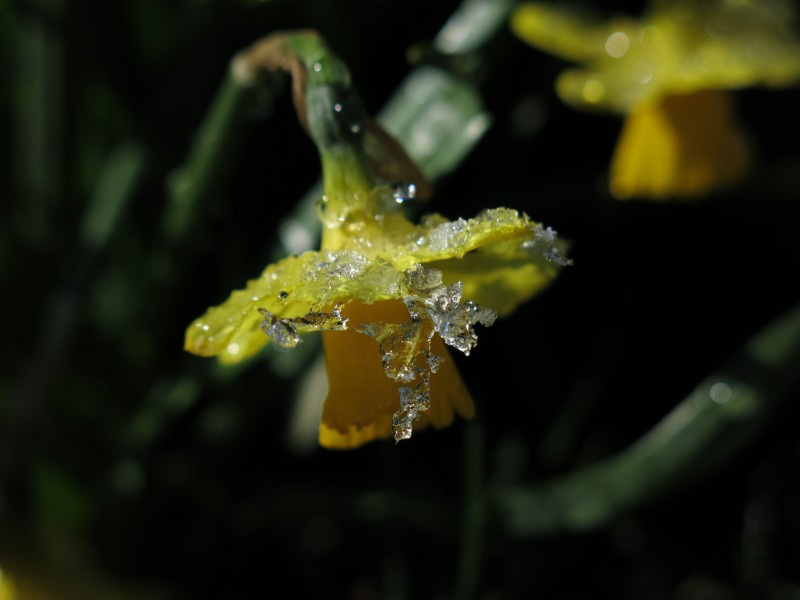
(388,294)
(670,73)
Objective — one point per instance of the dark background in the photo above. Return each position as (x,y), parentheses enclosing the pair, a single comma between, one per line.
(159,468)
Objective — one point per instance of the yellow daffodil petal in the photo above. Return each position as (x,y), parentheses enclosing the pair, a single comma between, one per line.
(437,239)
(361,399)
(290,288)
(503,275)
(559,30)
(370,267)
(680,147)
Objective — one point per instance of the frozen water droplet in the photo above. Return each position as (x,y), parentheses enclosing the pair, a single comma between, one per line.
(281,331)
(547,240)
(434,361)
(401,426)
(420,280)
(285,332)
(413,402)
(403,192)
(405,347)
(455,321)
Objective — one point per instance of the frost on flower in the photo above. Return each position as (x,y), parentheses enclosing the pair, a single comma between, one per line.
(405,348)
(285,332)
(406,290)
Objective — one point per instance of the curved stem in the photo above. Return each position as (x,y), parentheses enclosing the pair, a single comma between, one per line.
(708,428)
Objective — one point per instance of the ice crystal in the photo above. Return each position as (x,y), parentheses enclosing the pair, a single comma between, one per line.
(448,235)
(285,332)
(337,266)
(401,346)
(405,347)
(403,192)
(413,402)
(421,281)
(546,236)
(452,319)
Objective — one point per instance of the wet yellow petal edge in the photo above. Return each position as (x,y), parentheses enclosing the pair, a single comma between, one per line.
(439,239)
(314,280)
(560,31)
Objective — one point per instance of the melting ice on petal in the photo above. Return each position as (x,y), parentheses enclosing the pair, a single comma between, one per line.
(402,347)
(412,403)
(406,347)
(420,280)
(455,321)
(452,319)
(285,332)
(448,235)
(434,360)
(336,266)
(406,357)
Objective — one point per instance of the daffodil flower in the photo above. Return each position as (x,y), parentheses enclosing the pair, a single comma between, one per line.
(388,295)
(670,73)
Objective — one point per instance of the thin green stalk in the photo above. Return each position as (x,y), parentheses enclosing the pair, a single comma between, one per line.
(475,511)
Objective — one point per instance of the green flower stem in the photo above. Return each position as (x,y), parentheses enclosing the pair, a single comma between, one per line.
(335,119)
(413,113)
(475,512)
(323,68)
(39,124)
(707,429)
(344,172)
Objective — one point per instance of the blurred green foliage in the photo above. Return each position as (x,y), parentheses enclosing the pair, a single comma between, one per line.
(125,462)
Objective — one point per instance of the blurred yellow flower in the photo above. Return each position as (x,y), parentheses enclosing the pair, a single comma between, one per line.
(670,73)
